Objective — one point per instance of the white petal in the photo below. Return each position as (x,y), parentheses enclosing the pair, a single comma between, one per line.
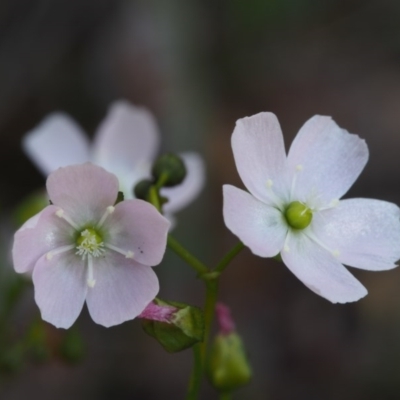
(60,288)
(180,196)
(365,233)
(122,290)
(56,142)
(260,227)
(259,152)
(127,140)
(320,271)
(331,159)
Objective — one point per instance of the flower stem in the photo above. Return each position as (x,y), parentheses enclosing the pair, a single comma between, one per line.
(197,373)
(194,262)
(154,198)
(229,257)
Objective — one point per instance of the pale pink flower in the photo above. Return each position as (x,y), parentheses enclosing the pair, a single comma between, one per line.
(126,144)
(83,247)
(293,207)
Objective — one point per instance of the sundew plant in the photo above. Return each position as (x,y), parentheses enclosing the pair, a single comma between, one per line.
(109,216)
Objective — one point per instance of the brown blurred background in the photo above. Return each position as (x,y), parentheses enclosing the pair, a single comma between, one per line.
(199,66)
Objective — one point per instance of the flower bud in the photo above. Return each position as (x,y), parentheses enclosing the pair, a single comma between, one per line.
(175,326)
(142,189)
(170,168)
(228,367)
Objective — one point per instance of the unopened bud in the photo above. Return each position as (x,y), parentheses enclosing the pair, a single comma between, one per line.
(170,169)
(176,326)
(142,189)
(228,366)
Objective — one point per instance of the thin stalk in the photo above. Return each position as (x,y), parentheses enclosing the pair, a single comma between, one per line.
(197,374)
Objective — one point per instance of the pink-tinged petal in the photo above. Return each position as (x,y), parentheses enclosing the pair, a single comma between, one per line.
(260,227)
(155,312)
(83,191)
(180,196)
(40,234)
(331,159)
(364,233)
(60,288)
(56,142)
(319,270)
(122,290)
(126,140)
(136,226)
(260,157)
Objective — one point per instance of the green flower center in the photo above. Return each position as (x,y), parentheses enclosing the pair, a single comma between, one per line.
(89,242)
(298,215)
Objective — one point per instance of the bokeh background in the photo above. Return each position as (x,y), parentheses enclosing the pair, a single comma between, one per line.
(199,66)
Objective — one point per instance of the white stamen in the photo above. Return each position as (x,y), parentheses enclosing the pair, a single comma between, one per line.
(273,197)
(90,277)
(59,250)
(61,214)
(335,253)
(109,211)
(334,203)
(286,248)
(299,168)
(127,254)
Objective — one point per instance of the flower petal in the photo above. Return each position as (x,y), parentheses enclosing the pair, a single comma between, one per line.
(180,196)
(260,227)
(122,291)
(320,271)
(127,140)
(40,234)
(331,159)
(364,232)
(137,226)
(82,191)
(260,157)
(60,288)
(56,142)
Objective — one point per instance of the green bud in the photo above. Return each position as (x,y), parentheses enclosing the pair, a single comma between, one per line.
(142,189)
(298,215)
(184,328)
(169,170)
(228,367)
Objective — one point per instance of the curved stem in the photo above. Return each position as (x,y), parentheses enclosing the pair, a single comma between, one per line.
(194,262)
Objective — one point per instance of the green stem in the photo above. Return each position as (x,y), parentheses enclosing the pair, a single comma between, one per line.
(154,198)
(197,373)
(209,308)
(195,263)
(229,257)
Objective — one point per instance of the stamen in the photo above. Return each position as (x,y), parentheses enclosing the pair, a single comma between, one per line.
(273,197)
(109,211)
(127,254)
(334,203)
(59,250)
(61,214)
(299,168)
(90,276)
(335,253)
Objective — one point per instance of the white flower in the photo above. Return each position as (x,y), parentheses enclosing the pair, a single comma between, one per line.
(126,144)
(294,206)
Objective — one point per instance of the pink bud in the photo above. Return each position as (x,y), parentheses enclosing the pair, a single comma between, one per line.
(159,313)
(224,318)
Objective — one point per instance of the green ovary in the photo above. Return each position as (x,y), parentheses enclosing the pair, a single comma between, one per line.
(298,215)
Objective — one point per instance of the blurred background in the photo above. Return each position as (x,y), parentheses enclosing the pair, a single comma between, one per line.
(199,66)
